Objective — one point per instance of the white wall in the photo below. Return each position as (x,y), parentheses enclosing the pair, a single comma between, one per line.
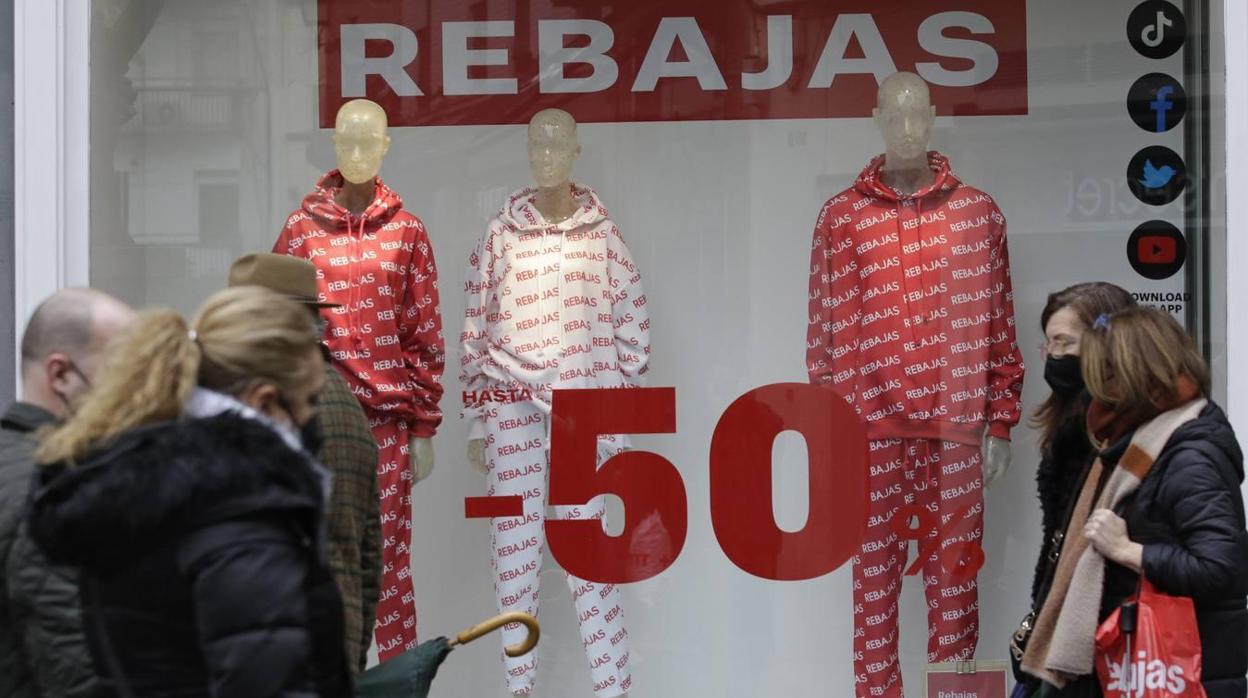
(1236,16)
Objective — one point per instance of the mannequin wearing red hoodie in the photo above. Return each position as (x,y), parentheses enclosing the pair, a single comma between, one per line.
(912,322)
(375,260)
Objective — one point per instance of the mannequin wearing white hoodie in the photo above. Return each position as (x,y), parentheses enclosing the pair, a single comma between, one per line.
(554,300)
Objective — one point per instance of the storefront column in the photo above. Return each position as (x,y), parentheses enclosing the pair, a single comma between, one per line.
(51,119)
(1237,213)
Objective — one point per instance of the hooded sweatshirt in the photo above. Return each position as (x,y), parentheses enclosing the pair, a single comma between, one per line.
(550,305)
(386,336)
(911,309)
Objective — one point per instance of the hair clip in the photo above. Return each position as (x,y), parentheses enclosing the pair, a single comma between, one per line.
(1102,322)
(192,335)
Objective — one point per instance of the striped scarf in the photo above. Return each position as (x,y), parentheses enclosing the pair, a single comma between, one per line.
(1062,646)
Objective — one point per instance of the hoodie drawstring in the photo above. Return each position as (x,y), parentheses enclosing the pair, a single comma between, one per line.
(359,293)
(922,257)
(352,283)
(541,302)
(354,294)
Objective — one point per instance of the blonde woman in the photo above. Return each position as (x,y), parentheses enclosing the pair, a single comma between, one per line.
(1161,500)
(181,489)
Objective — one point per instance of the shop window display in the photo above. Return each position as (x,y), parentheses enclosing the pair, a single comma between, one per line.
(709,138)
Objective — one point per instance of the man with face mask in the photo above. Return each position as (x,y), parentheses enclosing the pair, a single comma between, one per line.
(42,646)
(339,436)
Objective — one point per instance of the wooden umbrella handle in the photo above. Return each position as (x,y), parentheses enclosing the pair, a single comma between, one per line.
(489,626)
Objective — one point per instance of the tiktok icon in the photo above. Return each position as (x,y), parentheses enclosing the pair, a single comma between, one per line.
(1156,29)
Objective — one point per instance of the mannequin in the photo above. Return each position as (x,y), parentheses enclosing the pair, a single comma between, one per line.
(912,321)
(904,115)
(554,300)
(361,143)
(553,150)
(375,260)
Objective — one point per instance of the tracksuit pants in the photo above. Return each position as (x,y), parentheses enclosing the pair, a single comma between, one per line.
(517,455)
(946,480)
(396,606)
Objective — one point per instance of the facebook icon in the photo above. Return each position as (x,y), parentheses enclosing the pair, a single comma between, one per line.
(1157,102)
(1161,105)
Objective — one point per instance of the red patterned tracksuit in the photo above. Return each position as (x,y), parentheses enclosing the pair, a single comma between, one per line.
(912,321)
(386,340)
(549,306)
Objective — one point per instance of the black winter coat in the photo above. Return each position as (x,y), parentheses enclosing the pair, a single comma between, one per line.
(43,651)
(201,550)
(1058,480)
(1188,513)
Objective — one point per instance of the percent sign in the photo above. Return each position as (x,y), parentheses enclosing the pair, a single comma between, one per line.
(961,560)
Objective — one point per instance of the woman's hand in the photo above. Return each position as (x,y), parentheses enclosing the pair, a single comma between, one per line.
(1107,533)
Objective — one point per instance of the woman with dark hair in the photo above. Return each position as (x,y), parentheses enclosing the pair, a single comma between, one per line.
(1065,448)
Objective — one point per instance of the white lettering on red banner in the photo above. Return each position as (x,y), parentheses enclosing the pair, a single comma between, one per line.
(451,63)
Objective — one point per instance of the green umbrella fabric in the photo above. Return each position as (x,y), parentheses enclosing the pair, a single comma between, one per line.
(408,675)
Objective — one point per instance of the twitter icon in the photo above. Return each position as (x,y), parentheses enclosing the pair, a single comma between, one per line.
(1157,177)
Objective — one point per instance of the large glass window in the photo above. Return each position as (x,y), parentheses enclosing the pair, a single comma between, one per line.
(714,136)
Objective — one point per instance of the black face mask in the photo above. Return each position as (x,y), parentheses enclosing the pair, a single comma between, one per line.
(1064,375)
(311,435)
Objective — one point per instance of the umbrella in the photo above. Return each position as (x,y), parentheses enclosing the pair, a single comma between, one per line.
(410,674)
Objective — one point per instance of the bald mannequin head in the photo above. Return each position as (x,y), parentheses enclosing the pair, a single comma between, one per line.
(63,345)
(361,140)
(553,148)
(904,115)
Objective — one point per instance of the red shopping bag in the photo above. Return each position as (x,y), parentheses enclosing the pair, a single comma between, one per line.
(1161,659)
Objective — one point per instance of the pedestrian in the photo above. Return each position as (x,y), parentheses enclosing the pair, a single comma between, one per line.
(181,488)
(346,449)
(43,651)
(1066,451)
(1162,500)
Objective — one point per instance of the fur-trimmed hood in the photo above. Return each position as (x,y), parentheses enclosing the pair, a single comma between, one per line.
(156,483)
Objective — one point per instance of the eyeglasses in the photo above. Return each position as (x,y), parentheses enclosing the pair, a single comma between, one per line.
(1060,346)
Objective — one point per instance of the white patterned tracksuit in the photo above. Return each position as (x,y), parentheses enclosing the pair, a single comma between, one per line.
(549,306)
(517,454)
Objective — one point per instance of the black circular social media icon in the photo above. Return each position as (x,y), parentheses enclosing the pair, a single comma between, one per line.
(1157,102)
(1157,175)
(1157,250)
(1156,29)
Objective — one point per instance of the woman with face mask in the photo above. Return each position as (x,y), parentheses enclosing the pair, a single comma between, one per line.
(185,492)
(1065,447)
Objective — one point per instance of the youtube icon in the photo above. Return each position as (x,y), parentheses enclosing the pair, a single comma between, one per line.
(1157,250)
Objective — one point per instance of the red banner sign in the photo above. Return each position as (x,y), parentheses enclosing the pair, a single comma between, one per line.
(451,62)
